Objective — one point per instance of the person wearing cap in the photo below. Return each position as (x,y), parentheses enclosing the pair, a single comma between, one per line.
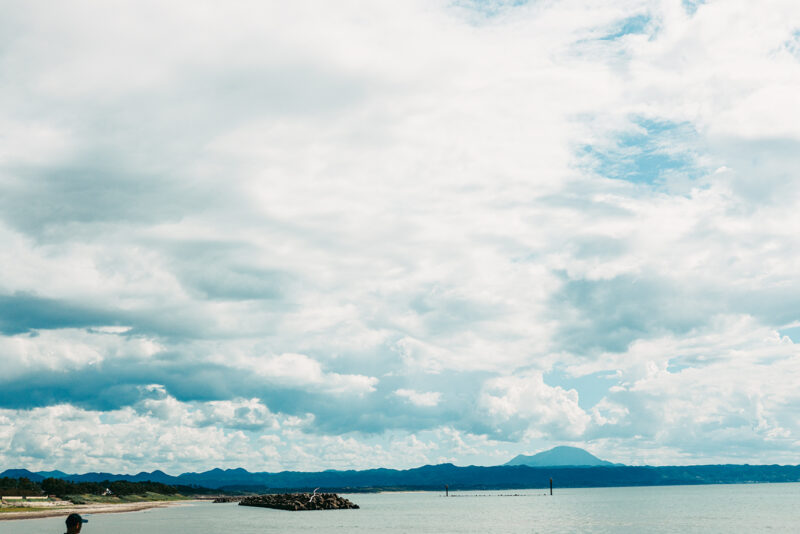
(74,523)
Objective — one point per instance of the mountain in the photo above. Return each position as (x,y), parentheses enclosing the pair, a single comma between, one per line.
(22,473)
(434,477)
(52,474)
(559,456)
(155,476)
(221,477)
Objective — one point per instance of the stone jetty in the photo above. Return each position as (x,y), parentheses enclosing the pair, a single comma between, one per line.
(299,501)
(227,499)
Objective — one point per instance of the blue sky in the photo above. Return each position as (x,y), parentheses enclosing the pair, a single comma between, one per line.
(314,236)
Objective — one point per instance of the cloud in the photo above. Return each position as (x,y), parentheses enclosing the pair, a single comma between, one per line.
(524,403)
(240,414)
(298,370)
(86,440)
(22,313)
(726,384)
(526,224)
(70,350)
(161,432)
(430,398)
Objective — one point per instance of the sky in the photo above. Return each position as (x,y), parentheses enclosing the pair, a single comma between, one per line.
(343,235)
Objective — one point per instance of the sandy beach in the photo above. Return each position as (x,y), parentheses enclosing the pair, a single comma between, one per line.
(92,509)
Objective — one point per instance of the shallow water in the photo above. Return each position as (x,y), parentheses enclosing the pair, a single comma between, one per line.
(722,508)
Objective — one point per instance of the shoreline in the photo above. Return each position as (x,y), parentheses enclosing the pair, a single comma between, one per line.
(100,508)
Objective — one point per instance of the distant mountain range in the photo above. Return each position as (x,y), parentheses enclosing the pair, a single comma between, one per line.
(559,456)
(570,468)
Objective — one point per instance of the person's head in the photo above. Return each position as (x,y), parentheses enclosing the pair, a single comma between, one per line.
(74,523)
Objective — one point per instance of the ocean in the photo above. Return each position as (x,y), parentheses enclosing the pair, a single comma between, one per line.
(747,508)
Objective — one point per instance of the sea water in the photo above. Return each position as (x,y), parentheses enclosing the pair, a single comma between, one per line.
(720,508)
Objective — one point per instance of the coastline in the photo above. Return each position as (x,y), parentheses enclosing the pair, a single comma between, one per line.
(116,508)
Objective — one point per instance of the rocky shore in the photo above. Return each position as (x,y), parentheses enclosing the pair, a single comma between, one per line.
(227,499)
(299,501)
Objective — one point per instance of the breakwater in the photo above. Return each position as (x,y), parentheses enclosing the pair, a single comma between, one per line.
(299,501)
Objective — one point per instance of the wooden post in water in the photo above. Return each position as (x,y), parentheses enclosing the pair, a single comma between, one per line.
(446,490)
(551,485)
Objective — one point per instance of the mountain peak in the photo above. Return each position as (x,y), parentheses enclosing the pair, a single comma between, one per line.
(559,456)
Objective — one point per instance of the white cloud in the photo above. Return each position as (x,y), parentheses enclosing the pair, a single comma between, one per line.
(533,407)
(298,370)
(417,398)
(711,394)
(69,349)
(250,414)
(400,204)
(85,440)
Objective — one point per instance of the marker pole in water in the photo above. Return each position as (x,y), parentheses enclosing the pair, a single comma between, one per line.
(551,485)
(446,490)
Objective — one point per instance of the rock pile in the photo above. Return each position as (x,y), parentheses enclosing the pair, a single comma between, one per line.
(299,501)
(227,499)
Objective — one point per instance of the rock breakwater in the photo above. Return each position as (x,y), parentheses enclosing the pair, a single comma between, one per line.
(299,501)
(227,499)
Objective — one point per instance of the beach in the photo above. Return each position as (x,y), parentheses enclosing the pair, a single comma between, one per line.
(100,508)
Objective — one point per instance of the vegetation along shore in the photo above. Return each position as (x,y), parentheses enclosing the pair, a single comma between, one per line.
(21,498)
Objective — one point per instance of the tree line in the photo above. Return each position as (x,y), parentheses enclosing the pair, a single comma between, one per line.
(62,488)
(19,487)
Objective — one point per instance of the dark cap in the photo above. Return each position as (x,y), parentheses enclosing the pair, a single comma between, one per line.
(74,519)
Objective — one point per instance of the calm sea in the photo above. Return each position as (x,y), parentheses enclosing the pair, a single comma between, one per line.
(732,508)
